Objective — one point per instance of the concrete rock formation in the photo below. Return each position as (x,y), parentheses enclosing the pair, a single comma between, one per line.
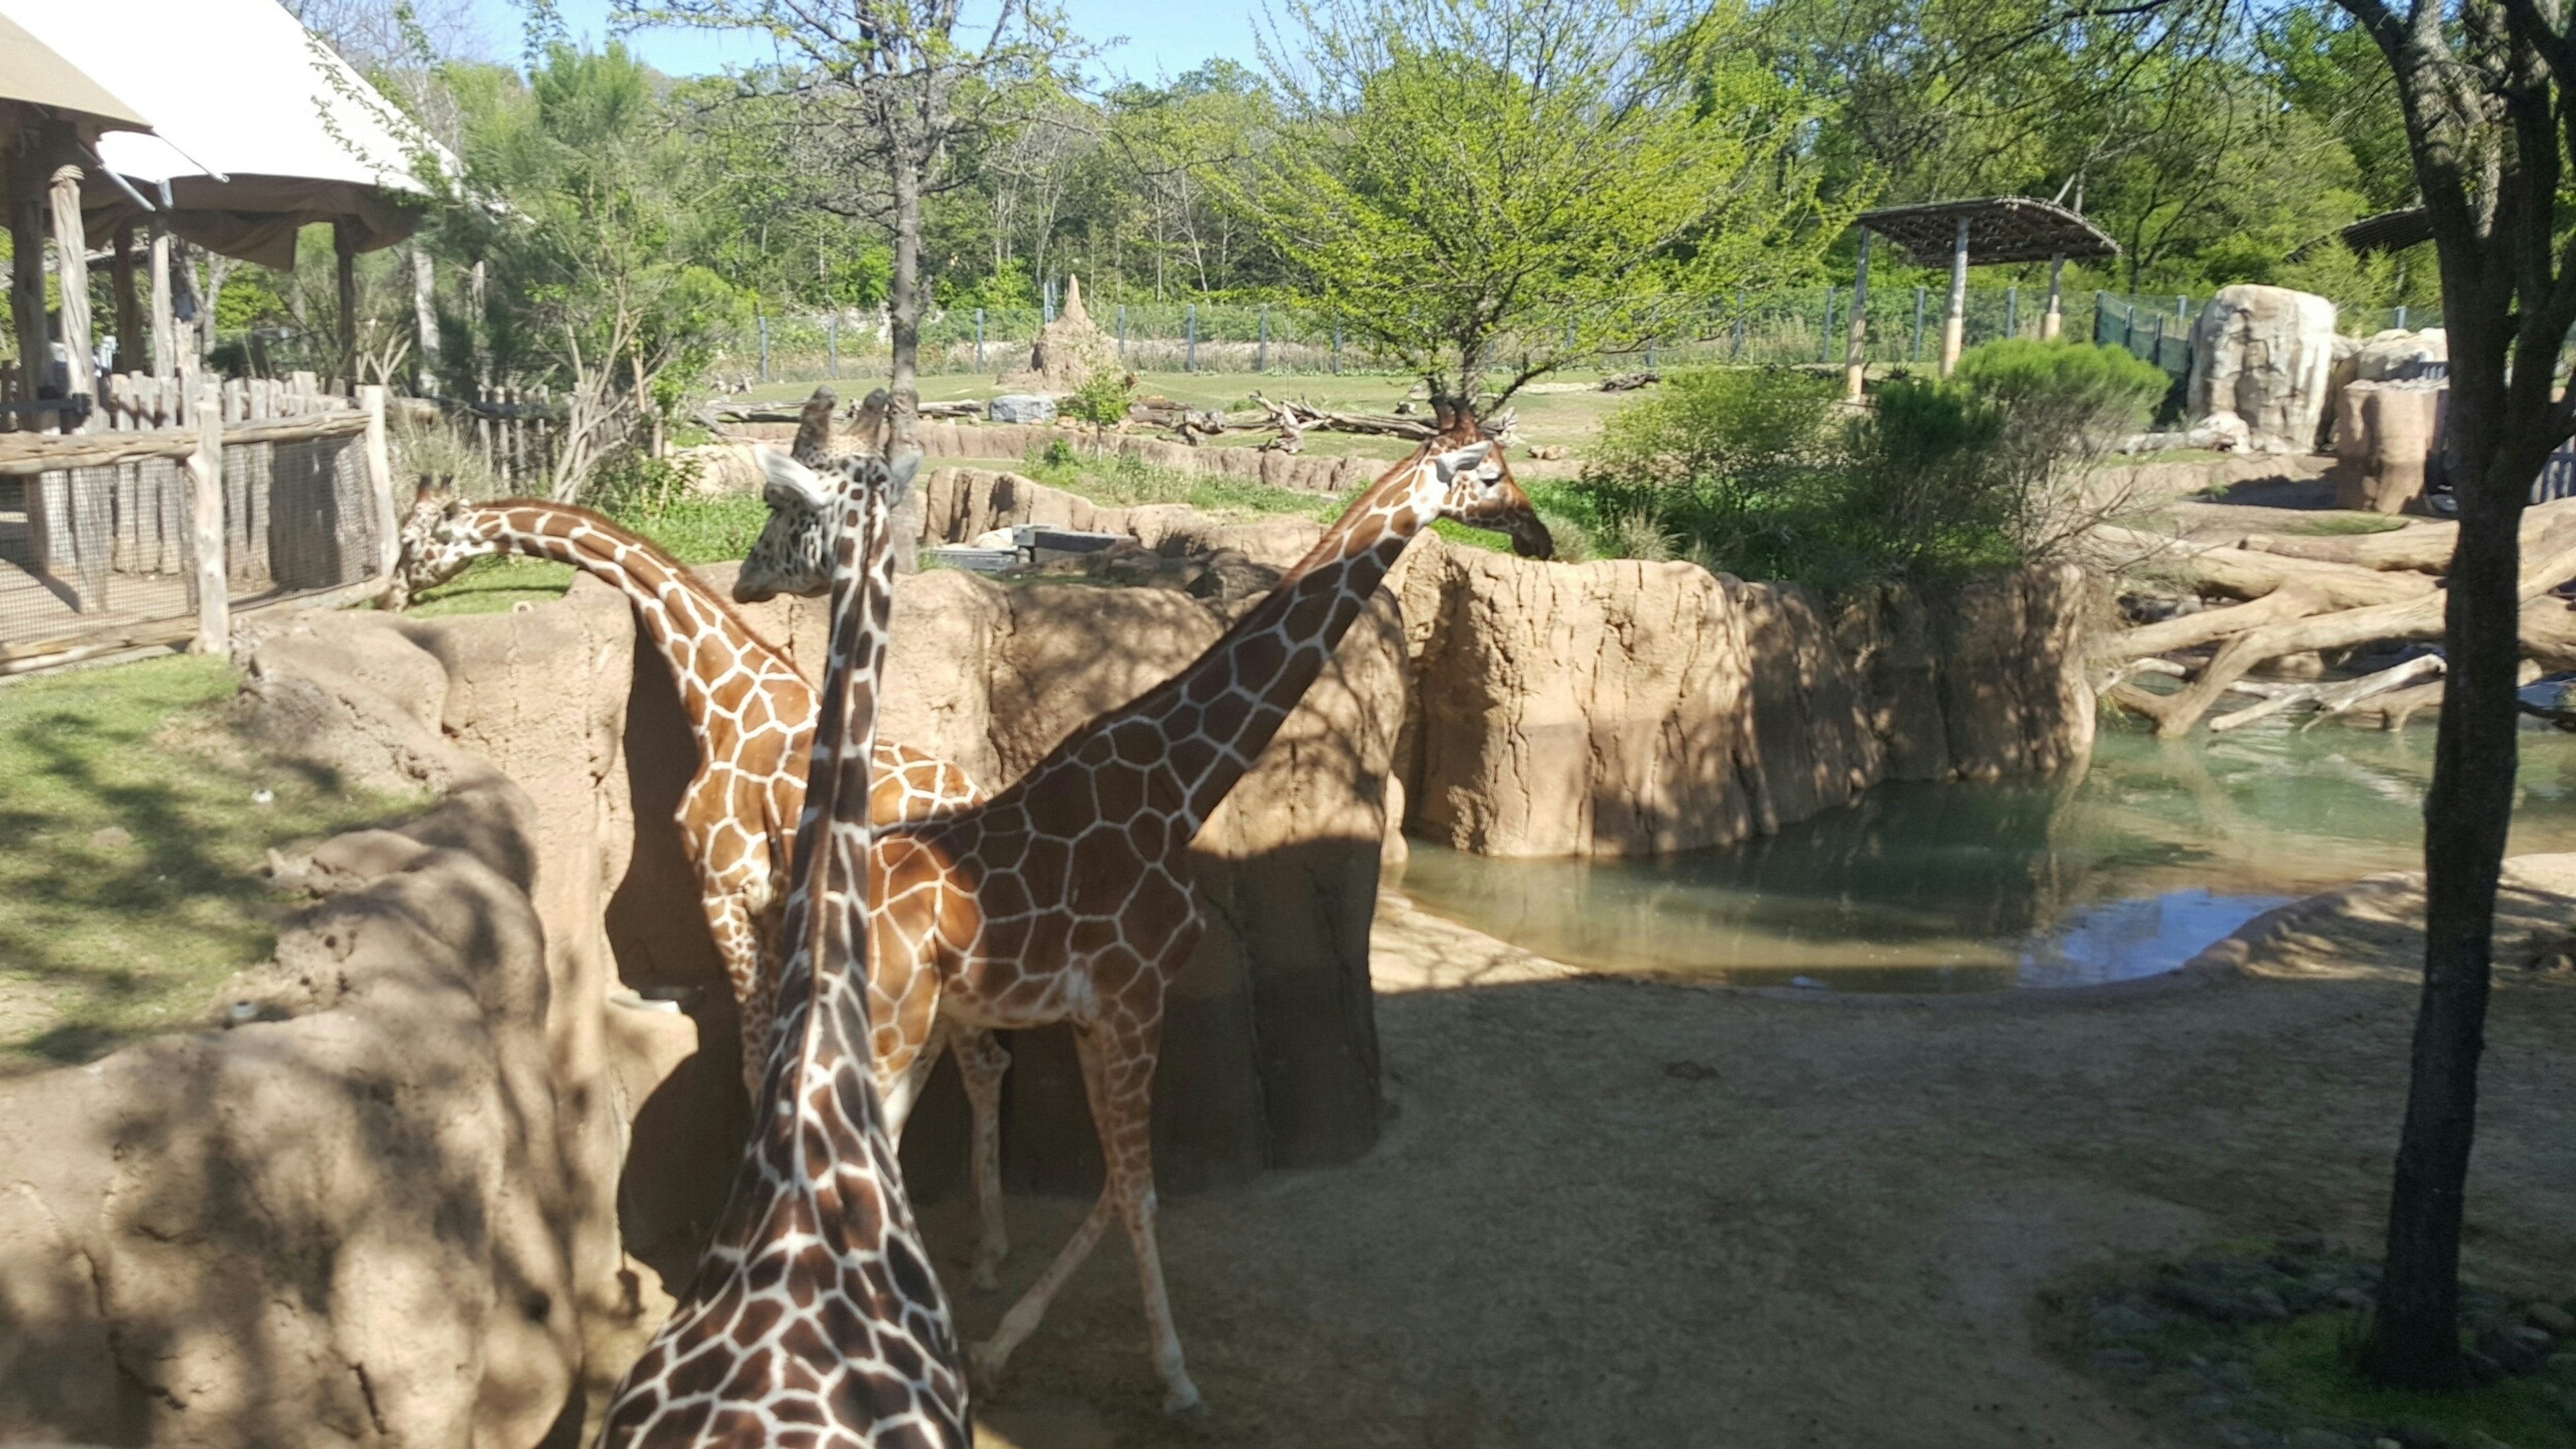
(1066,352)
(2264,355)
(1622,708)
(2386,437)
(2397,354)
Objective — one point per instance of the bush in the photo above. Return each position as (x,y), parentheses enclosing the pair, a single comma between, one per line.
(1747,471)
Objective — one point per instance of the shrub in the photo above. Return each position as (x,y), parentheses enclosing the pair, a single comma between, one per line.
(1101,401)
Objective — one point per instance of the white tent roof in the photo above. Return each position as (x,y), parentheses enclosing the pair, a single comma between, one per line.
(266,127)
(31,72)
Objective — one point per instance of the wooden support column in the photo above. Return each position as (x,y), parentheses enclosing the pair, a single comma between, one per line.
(424,311)
(129,306)
(1954,324)
(71,265)
(380,479)
(27,267)
(165,328)
(2050,323)
(344,246)
(1856,334)
(206,524)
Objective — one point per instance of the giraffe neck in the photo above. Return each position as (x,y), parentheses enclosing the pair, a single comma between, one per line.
(1214,718)
(702,640)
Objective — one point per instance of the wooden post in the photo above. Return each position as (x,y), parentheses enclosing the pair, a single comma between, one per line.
(424,319)
(380,478)
(1954,324)
(1856,335)
(165,328)
(27,283)
(71,264)
(2049,321)
(344,247)
(129,306)
(206,525)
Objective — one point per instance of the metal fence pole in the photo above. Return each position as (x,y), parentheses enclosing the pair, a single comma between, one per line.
(2401,316)
(2100,301)
(1261,357)
(764,346)
(1916,355)
(2156,345)
(1737,354)
(1337,347)
(1650,352)
(2012,310)
(979,339)
(1826,332)
(832,341)
(1190,338)
(1122,332)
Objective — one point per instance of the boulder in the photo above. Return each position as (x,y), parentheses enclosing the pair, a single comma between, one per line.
(2386,437)
(1021,407)
(2264,355)
(2397,354)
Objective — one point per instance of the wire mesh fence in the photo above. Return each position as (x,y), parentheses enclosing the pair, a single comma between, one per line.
(1902,322)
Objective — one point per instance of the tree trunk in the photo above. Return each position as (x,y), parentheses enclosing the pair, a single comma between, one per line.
(903,305)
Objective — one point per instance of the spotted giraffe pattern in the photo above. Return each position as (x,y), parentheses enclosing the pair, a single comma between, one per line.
(1066,896)
(814,1318)
(750,712)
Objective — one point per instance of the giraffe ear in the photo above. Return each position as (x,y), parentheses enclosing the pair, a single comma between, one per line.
(791,484)
(1456,461)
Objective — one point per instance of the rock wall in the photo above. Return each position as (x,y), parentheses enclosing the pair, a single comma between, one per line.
(958,504)
(2386,436)
(2263,356)
(1623,708)
(374,1200)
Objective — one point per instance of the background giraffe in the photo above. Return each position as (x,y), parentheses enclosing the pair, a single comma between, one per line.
(1066,896)
(814,1317)
(750,712)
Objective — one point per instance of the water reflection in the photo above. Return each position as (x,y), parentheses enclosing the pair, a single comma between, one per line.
(2159,848)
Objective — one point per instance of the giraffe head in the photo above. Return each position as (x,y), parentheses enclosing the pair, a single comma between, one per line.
(793,554)
(432,552)
(1475,486)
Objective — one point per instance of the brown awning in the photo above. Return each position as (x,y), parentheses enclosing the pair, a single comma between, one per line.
(2000,229)
(32,72)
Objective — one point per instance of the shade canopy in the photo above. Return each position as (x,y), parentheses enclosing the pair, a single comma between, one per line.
(33,72)
(262,128)
(2389,231)
(2000,229)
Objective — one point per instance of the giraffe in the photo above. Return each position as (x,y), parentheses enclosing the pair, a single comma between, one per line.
(750,712)
(814,1317)
(1065,897)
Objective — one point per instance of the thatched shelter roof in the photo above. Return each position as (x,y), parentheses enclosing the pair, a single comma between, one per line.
(2000,229)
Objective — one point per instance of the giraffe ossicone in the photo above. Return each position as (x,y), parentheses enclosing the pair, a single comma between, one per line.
(1066,897)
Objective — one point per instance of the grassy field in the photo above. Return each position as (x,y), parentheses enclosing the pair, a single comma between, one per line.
(135,880)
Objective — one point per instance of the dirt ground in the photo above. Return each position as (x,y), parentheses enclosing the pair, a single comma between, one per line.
(1615,1212)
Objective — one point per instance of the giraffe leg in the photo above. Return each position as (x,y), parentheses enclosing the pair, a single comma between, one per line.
(990,1356)
(755,993)
(982,1060)
(1123,1109)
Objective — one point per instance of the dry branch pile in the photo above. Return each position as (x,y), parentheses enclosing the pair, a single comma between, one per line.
(2276,596)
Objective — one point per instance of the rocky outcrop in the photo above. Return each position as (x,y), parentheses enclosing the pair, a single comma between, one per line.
(1067,352)
(2386,436)
(374,1200)
(1624,708)
(2263,356)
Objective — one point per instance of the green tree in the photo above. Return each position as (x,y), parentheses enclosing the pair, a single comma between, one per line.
(1513,186)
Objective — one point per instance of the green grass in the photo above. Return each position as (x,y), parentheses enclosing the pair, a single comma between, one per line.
(493,585)
(102,941)
(2307,1361)
(1124,481)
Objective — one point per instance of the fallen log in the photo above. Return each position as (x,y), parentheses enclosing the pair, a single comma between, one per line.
(2185,631)
(1631,381)
(2237,573)
(2330,699)
(2424,547)
(2419,618)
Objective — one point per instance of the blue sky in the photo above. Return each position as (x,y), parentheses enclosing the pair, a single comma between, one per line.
(1161,36)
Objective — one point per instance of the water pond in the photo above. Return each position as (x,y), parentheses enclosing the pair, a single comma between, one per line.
(2126,870)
